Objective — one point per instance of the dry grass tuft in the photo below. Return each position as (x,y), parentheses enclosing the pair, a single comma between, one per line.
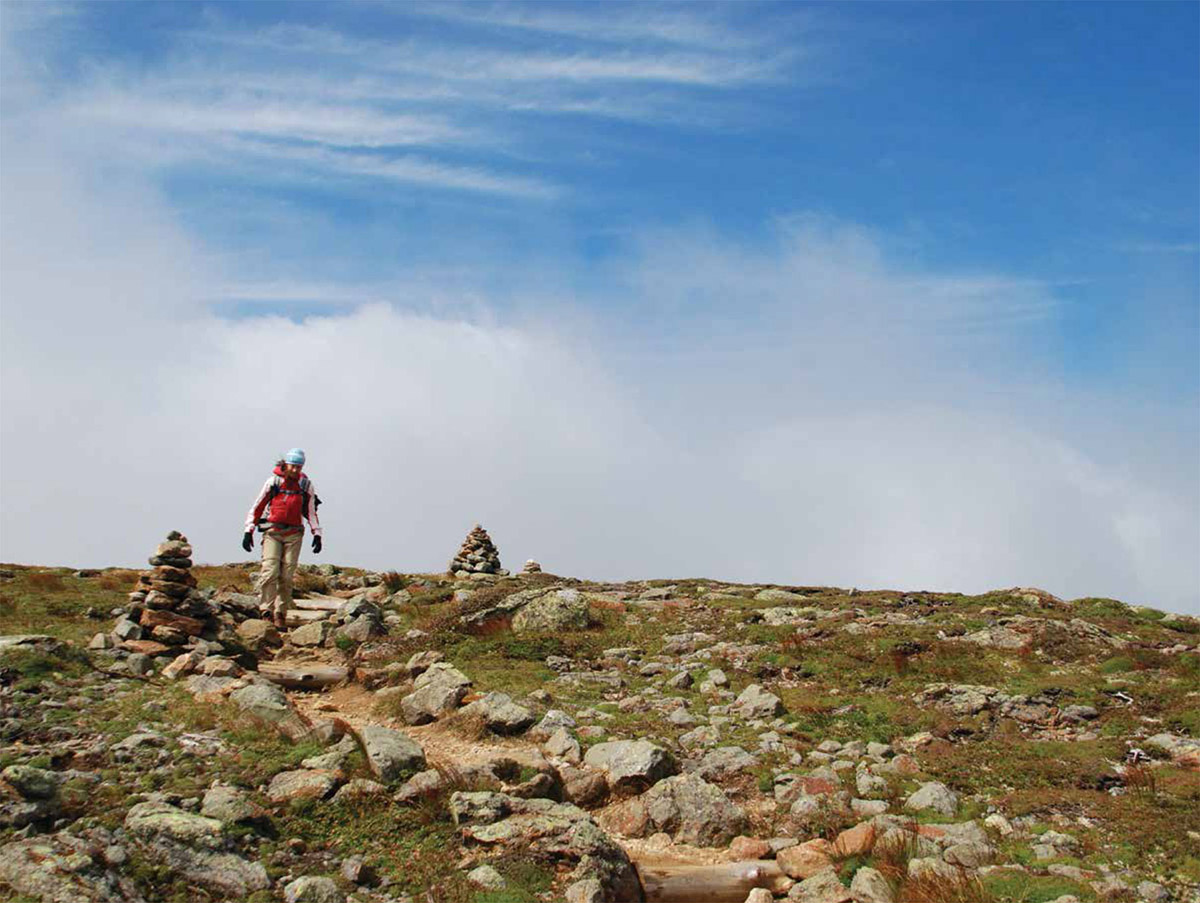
(50,583)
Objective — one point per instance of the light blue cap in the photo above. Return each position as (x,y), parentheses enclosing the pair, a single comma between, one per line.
(295,456)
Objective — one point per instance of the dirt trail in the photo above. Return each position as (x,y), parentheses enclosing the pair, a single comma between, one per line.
(356,705)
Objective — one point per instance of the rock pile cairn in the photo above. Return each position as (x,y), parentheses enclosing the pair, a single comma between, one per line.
(478,555)
(531,567)
(167,615)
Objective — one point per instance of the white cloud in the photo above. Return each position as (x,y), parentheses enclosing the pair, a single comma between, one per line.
(841,445)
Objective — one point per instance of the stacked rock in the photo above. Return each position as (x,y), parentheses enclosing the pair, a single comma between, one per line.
(165,609)
(531,567)
(478,555)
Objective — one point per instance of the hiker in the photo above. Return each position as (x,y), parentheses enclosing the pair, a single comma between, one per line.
(286,498)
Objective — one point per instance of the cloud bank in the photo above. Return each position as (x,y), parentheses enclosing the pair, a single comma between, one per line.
(829,416)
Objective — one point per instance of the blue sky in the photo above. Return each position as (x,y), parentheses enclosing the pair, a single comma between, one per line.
(733,217)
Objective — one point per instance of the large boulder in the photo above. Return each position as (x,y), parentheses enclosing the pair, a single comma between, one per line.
(687,807)
(546,828)
(562,609)
(390,753)
(631,765)
(63,868)
(195,847)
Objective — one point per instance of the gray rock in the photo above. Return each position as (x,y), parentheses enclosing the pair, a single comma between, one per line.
(390,753)
(230,805)
(557,830)
(487,878)
(563,609)
(631,765)
(419,662)
(692,811)
(823,887)
(442,673)
(933,795)
(357,790)
(564,746)
(755,702)
(314,633)
(430,702)
(779,597)
(587,891)
(60,868)
(356,870)
(869,886)
(501,714)
(724,762)
(32,783)
(303,784)
(194,846)
(310,889)
(268,703)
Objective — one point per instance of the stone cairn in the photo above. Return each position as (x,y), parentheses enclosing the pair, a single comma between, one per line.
(531,567)
(165,610)
(478,555)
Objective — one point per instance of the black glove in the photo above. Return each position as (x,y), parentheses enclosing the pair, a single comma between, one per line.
(248,541)
(316,545)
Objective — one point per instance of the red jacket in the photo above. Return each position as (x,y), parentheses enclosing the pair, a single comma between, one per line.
(290,500)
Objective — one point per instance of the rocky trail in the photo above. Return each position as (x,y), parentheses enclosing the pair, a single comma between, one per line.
(481,736)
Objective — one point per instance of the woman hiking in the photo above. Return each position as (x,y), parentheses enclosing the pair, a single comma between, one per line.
(286,500)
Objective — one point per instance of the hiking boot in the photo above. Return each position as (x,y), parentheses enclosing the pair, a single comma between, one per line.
(280,622)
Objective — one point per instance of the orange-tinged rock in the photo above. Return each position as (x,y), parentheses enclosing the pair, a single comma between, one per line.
(147,647)
(152,618)
(743,847)
(855,841)
(803,861)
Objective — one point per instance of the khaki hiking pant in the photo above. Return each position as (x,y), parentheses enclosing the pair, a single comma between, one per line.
(280,555)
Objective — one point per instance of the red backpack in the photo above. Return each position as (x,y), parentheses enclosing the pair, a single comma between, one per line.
(287,506)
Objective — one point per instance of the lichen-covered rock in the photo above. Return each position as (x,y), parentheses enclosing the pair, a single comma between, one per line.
(687,807)
(230,805)
(195,847)
(562,609)
(389,752)
(63,868)
(559,830)
(313,889)
(32,783)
